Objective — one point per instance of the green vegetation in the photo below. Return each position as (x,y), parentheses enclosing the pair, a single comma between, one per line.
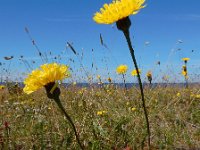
(105,118)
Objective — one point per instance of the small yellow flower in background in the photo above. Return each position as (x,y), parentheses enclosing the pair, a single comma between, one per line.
(2,87)
(100,113)
(109,79)
(133,109)
(197,96)
(74,83)
(178,94)
(185,59)
(134,72)
(117,10)
(192,95)
(83,90)
(98,77)
(184,73)
(149,74)
(122,69)
(47,73)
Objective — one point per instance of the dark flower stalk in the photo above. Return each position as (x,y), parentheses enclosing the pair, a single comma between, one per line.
(124,25)
(54,94)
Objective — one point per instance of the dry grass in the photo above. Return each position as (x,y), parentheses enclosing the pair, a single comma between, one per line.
(35,122)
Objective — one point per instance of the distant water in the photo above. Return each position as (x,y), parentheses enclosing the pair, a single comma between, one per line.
(129,85)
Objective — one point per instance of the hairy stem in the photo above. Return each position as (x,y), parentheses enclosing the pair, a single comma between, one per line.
(70,121)
(126,34)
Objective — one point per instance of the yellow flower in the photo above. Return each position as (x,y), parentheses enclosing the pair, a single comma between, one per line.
(134,72)
(149,74)
(122,69)
(184,73)
(197,96)
(48,73)
(2,87)
(185,59)
(178,94)
(98,77)
(117,10)
(100,113)
(133,109)
(109,79)
(184,70)
(192,95)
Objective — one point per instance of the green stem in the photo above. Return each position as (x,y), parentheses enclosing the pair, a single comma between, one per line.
(126,34)
(70,121)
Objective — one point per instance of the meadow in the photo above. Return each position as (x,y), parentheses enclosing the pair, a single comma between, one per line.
(42,109)
(106,117)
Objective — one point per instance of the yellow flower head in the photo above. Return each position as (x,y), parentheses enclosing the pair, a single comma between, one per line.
(117,10)
(184,73)
(197,96)
(109,79)
(178,94)
(185,59)
(2,87)
(47,73)
(122,69)
(149,74)
(134,72)
(98,77)
(133,109)
(184,70)
(100,113)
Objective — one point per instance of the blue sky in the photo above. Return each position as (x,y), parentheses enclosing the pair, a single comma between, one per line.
(53,23)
